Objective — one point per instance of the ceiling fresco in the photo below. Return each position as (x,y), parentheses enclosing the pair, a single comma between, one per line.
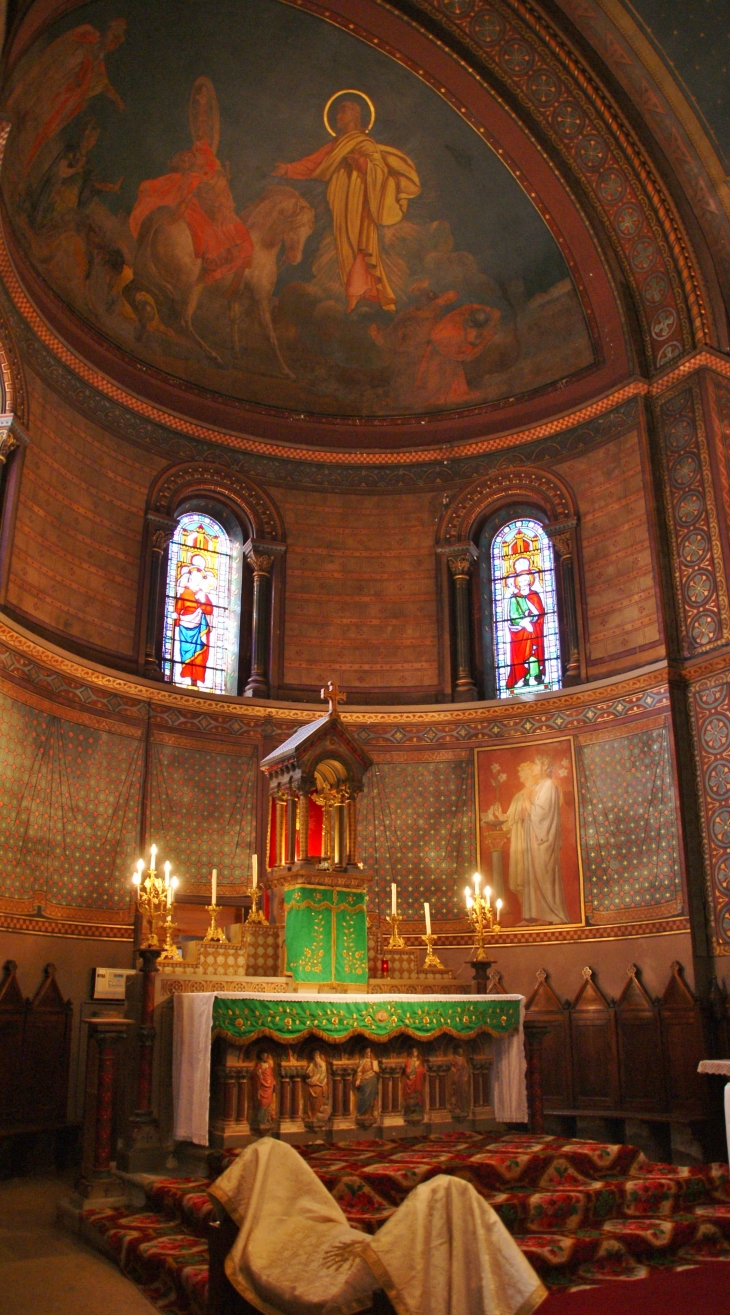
(253,201)
(694,39)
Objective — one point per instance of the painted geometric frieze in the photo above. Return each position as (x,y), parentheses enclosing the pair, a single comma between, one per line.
(629,837)
(710,704)
(416,828)
(523,54)
(700,585)
(202,809)
(69,806)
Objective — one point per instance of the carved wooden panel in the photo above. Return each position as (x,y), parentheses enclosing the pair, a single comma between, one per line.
(684,1043)
(639,1040)
(593,1042)
(546,1008)
(35,1041)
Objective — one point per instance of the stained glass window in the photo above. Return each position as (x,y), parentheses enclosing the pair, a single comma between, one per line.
(525,637)
(203,604)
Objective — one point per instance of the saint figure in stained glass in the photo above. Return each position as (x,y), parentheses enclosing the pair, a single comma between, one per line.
(200,643)
(524,611)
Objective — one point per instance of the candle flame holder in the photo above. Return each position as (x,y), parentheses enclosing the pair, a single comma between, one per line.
(256,915)
(484,924)
(396,941)
(170,954)
(152,905)
(432,960)
(214,932)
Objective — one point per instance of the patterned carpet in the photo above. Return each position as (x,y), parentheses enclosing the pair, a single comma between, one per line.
(583,1212)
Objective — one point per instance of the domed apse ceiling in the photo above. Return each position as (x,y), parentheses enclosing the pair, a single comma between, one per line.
(694,39)
(187,179)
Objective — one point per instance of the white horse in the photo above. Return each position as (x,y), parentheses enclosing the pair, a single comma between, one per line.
(169,278)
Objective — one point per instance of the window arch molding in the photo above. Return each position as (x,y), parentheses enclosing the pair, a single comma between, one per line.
(262,533)
(490,500)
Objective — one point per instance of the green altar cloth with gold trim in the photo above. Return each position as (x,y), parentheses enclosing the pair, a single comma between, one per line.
(289,1018)
(326,935)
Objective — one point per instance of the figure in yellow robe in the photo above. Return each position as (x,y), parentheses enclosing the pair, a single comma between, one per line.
(367,185)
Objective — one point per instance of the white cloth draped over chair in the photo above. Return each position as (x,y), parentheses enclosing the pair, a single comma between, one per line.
(443,1252)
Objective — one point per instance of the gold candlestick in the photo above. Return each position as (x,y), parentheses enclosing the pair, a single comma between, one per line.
(170,954)
(256,914)
(432,960)
(396,941)
(151,892)
(214,932)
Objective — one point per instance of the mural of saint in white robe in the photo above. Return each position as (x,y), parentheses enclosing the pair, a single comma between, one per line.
(533,821)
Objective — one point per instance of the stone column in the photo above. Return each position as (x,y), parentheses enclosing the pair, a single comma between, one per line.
(280,831)
(352,830)
(291,829)
(146,1037)
(13,443)
(261,562)
(160,530)
(562,537)
(460,561)
(303,826)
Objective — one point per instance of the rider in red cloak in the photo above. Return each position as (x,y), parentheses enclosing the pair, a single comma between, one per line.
(198,189)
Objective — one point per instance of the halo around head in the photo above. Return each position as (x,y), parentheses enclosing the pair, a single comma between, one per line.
(348,91)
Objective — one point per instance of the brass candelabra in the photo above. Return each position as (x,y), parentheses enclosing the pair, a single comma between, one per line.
(154,898)
(484,919)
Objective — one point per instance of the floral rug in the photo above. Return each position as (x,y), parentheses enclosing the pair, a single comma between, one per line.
(583,1212)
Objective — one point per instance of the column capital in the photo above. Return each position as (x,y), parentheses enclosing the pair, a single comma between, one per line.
(12,435)
(561,536)
(261,555)
(460,557)
(160,530)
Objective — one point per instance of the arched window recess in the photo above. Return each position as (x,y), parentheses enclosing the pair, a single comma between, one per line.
(211,592)
(508,548)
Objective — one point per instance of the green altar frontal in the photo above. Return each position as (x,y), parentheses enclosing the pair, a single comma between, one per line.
(326,935)
(288,1019)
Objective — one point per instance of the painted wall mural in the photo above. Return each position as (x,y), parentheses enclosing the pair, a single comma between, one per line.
(529,849)
(254,201)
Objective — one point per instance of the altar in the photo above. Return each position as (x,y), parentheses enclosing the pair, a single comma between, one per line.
(338,1067)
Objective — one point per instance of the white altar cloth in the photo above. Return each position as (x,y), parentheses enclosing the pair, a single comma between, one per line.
(720,1068)
(191,1057)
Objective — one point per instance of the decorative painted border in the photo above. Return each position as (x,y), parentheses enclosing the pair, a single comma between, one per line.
(709,701)
(698,568)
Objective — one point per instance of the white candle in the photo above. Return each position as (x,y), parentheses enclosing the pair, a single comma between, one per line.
(173,887)
(137,876)
(153,857)
(477,879)
(499,908)
(469,900)
(393,907)
(488,893)
(167,874)
(214,883)
(427,911)
(169,891)
(254,870)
